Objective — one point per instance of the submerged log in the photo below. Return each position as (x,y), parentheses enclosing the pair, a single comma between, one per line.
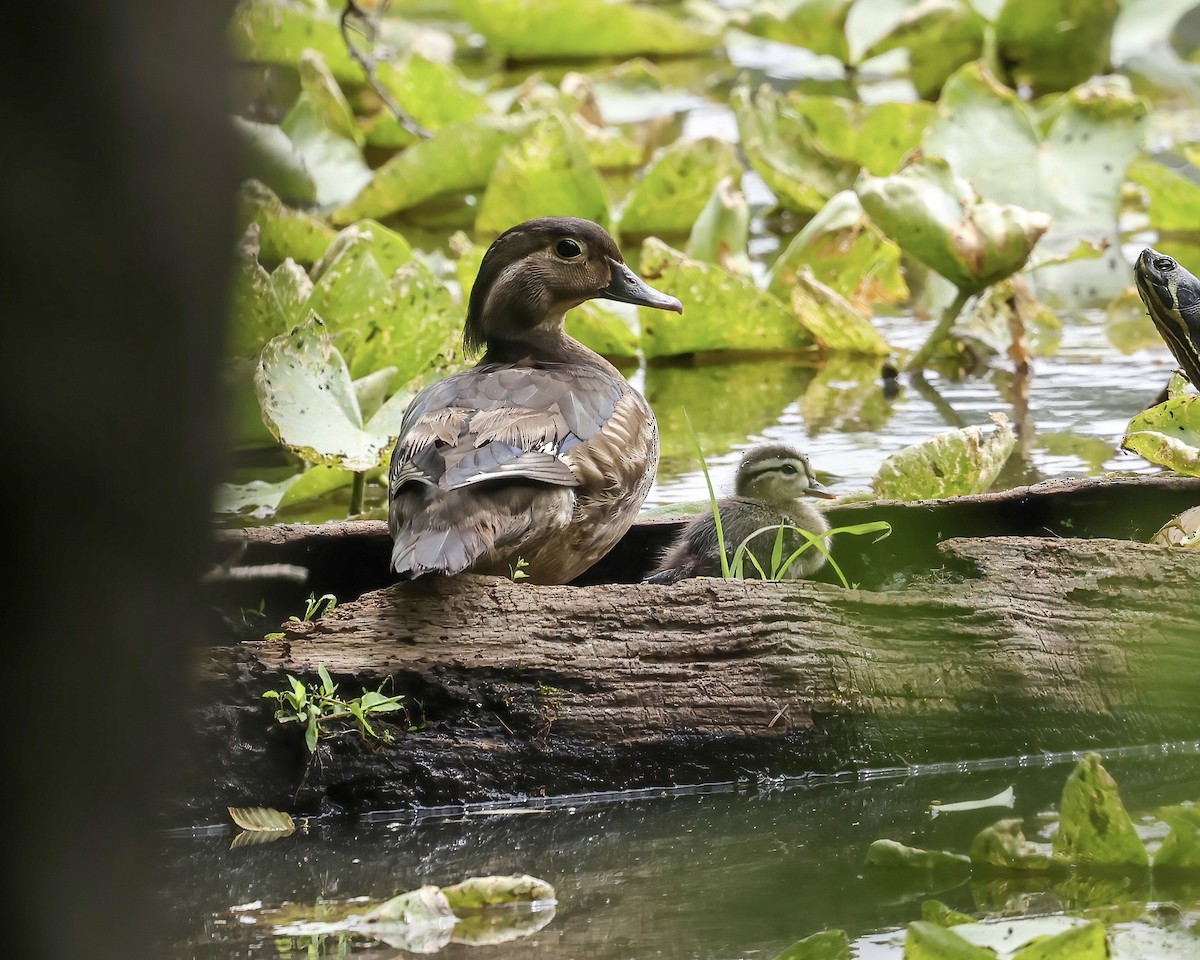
(1007,645)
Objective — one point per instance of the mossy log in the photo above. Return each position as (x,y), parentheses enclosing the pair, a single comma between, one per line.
(1008,644)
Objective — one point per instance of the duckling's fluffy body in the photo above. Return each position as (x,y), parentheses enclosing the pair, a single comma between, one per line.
(542,452)
(771,482)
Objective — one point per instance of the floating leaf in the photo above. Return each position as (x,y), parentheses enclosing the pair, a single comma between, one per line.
(1051,45)
(721,232)
(1173,198)
(608,148)
(457,158)
(876,136)
(780,145)
(892,855)
(475,893)
(953,464)
(421,906)
(546,174)
(816,25)
(724,312)
(318,82)
(269,155)
(928,941)
(261,818)
(1039,938)
(309,404)
(1181,847)
(293,289)
(826,945)
(940,36)
(279,31)
(934,911)
(432,93)
(283,232)
(1068,161)
(255,313)
(676,186)
(1168,434)
(560,29)
(334,162)
(1094,829)
(834,324)
(1003,844)
(937,218)
(845,251)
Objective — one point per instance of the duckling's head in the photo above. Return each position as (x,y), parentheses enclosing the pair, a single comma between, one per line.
(777,473)
(535,272)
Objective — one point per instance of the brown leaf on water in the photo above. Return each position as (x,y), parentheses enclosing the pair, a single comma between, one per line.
(262,819)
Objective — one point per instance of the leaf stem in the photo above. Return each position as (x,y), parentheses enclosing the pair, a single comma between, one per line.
(358,490)
(921,357)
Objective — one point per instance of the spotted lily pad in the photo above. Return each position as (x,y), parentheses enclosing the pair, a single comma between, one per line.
(1094,828)
(833,322)
(1173,199)
(255,314)
(318,82)
(545,174)
(334,161)
(721,232)
(724,312)
(557,29)
(952,464)
(940,36)
(938,218)
(1180,849)
(1053,45)
(876,136)
(270,156)
(929,941)
(1003,844)
(309,403)
(676,186)
(457,158)
(283,231)
(1168,434)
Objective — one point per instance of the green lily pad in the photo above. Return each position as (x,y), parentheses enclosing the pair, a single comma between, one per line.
(781,146)
(1068,161)
(1180,849)
(283,231)
(928,941)
(938,218)
(546,174)
(952,464)
(269,155)
(558,29)
(1094,828)
(832,320)
(1039,938)
(892,855)
(816,25)
(255,314)
(317,481)
(475,893)
(386,248)
(1053,45)
(676,186)
(844,250)
(432,93)
(1168,434)
(279,31)
(1173,198)
(416,907)
(1006,307)
(317,80)
(721,233)
(826,945)
(1180,531)
(875,136)
(724,312)
(1003,844)
(608,148)
(334,162)
(934,911)
(293,289)
(457,158)
(309,404)
(940,35)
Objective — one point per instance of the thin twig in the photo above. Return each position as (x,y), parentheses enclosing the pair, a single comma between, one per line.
(367,62)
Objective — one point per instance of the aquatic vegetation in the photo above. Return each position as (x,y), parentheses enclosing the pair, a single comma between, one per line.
(321,712)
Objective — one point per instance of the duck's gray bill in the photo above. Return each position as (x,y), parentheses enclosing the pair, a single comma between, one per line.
(628,287)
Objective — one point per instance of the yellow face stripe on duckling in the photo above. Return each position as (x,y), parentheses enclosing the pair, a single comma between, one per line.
(1161,282)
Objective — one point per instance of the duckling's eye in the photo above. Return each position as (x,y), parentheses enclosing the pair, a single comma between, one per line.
(568,249)
(789,469)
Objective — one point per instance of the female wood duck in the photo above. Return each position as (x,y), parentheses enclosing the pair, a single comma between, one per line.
(771,481)
(542,452)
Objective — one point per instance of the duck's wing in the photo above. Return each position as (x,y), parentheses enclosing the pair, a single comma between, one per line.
(477,450)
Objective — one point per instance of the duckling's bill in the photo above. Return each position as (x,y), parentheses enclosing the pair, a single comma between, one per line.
(816,489)
(627,287)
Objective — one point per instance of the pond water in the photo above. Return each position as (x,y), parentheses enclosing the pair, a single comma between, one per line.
(731,872)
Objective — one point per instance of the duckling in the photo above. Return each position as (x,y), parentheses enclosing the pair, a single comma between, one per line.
(770,482)
(538,457)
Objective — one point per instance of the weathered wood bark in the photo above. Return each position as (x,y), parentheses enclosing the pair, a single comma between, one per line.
(1014,644)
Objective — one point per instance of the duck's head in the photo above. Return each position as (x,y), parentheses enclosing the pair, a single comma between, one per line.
(533,273)
(777,473)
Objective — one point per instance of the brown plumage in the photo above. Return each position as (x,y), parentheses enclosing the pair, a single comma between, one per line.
(772,481)
(542,452)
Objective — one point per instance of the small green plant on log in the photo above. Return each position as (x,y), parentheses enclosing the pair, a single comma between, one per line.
(321,712)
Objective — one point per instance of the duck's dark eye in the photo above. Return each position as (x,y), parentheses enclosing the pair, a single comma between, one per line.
(567,249)
(1163,264)
(788,468)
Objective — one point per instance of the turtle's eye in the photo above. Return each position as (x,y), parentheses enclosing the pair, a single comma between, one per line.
(1163,264)
(568,249)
